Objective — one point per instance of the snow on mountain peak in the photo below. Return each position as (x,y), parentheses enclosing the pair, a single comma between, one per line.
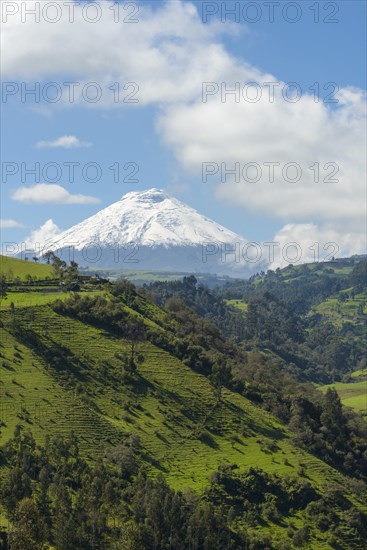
(148,230)
(153,195)
(147,218)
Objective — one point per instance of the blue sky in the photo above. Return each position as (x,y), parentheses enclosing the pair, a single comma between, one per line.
(170,132)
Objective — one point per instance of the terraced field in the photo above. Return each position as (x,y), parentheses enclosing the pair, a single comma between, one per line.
(58,374)
(172,408)
(352,310)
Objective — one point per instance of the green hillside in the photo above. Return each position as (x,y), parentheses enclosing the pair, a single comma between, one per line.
(239,304)
(313,316)
(354,392)
(165,391)
(13,268)
(345,308)
(170,406)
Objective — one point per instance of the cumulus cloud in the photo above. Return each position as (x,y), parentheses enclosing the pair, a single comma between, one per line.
(308,242)
(325,145)
(44,193)
(169,54)
(5,224)
(64,142)
(44,236)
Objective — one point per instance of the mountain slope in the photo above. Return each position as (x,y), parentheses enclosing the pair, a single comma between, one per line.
(12,268)
(151,230)
(148,218)
(60,373)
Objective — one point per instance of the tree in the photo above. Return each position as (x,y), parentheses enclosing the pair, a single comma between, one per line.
(131,538)
(126,289)
(48,256)
(28,530)
(64,525)
(71,276)
(58,265)
(334,424)
(220,376)
(15,487)
(134,332)
(3,287)
(43,499)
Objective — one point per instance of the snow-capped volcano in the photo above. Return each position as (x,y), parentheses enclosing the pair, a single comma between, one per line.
(148,218)
(151,230)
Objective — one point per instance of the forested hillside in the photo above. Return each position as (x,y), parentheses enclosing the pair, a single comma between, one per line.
(312,318)
(171,416)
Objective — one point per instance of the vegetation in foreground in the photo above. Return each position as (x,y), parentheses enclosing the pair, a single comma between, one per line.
(51,493)
(130,421)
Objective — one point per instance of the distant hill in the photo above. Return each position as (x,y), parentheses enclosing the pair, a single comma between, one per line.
(12,268)
(327,305)
(311,318)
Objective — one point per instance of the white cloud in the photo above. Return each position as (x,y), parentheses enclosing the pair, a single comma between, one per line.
(5,224)
(169,54)
(64,142)
(304,133)
(43,236)
(308,242)
(44,193)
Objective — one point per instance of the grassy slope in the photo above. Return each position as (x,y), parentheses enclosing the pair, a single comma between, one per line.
(12,267)
(353,393)
(171,407)
(239,304)
(317,268)
(345,312)
(39,298)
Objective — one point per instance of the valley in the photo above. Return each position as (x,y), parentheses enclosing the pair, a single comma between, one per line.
(108,365)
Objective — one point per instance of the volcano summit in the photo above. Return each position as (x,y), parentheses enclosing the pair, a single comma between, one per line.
(150,230)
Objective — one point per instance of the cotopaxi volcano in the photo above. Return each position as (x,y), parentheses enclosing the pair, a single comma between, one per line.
(152,230)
